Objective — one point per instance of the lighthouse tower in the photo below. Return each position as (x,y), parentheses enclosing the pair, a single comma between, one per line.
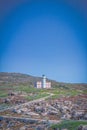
(43,81)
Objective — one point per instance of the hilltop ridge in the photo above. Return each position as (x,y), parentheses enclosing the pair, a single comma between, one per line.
(11,79)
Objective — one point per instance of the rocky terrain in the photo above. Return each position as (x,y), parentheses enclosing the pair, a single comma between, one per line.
(45,111)
(23,107)
(58,109)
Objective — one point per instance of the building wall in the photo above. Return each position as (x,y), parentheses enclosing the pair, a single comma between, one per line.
(48,84)
(40,85)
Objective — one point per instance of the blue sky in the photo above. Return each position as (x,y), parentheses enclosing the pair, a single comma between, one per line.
(47,37)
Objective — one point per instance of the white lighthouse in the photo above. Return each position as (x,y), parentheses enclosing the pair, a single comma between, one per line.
(43,81)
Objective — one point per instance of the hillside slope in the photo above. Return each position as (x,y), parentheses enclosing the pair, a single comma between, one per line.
(12,79)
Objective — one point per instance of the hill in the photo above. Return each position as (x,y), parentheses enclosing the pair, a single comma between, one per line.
(13,79)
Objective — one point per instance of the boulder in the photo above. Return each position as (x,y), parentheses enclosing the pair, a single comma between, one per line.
(52,112)
(85,116)
(40,127)
(23,128)
(77,115)
(7,100)
(82,127)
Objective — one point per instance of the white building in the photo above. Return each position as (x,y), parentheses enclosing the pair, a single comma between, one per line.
(43,83)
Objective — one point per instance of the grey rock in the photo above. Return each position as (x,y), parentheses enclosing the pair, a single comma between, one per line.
(82,127)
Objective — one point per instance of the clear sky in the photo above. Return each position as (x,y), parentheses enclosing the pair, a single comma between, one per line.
(44,37)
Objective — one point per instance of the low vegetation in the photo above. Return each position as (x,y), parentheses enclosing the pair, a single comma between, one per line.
(70,125)
(58,92)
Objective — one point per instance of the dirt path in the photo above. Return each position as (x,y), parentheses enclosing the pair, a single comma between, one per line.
(30,119)
(27,103)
